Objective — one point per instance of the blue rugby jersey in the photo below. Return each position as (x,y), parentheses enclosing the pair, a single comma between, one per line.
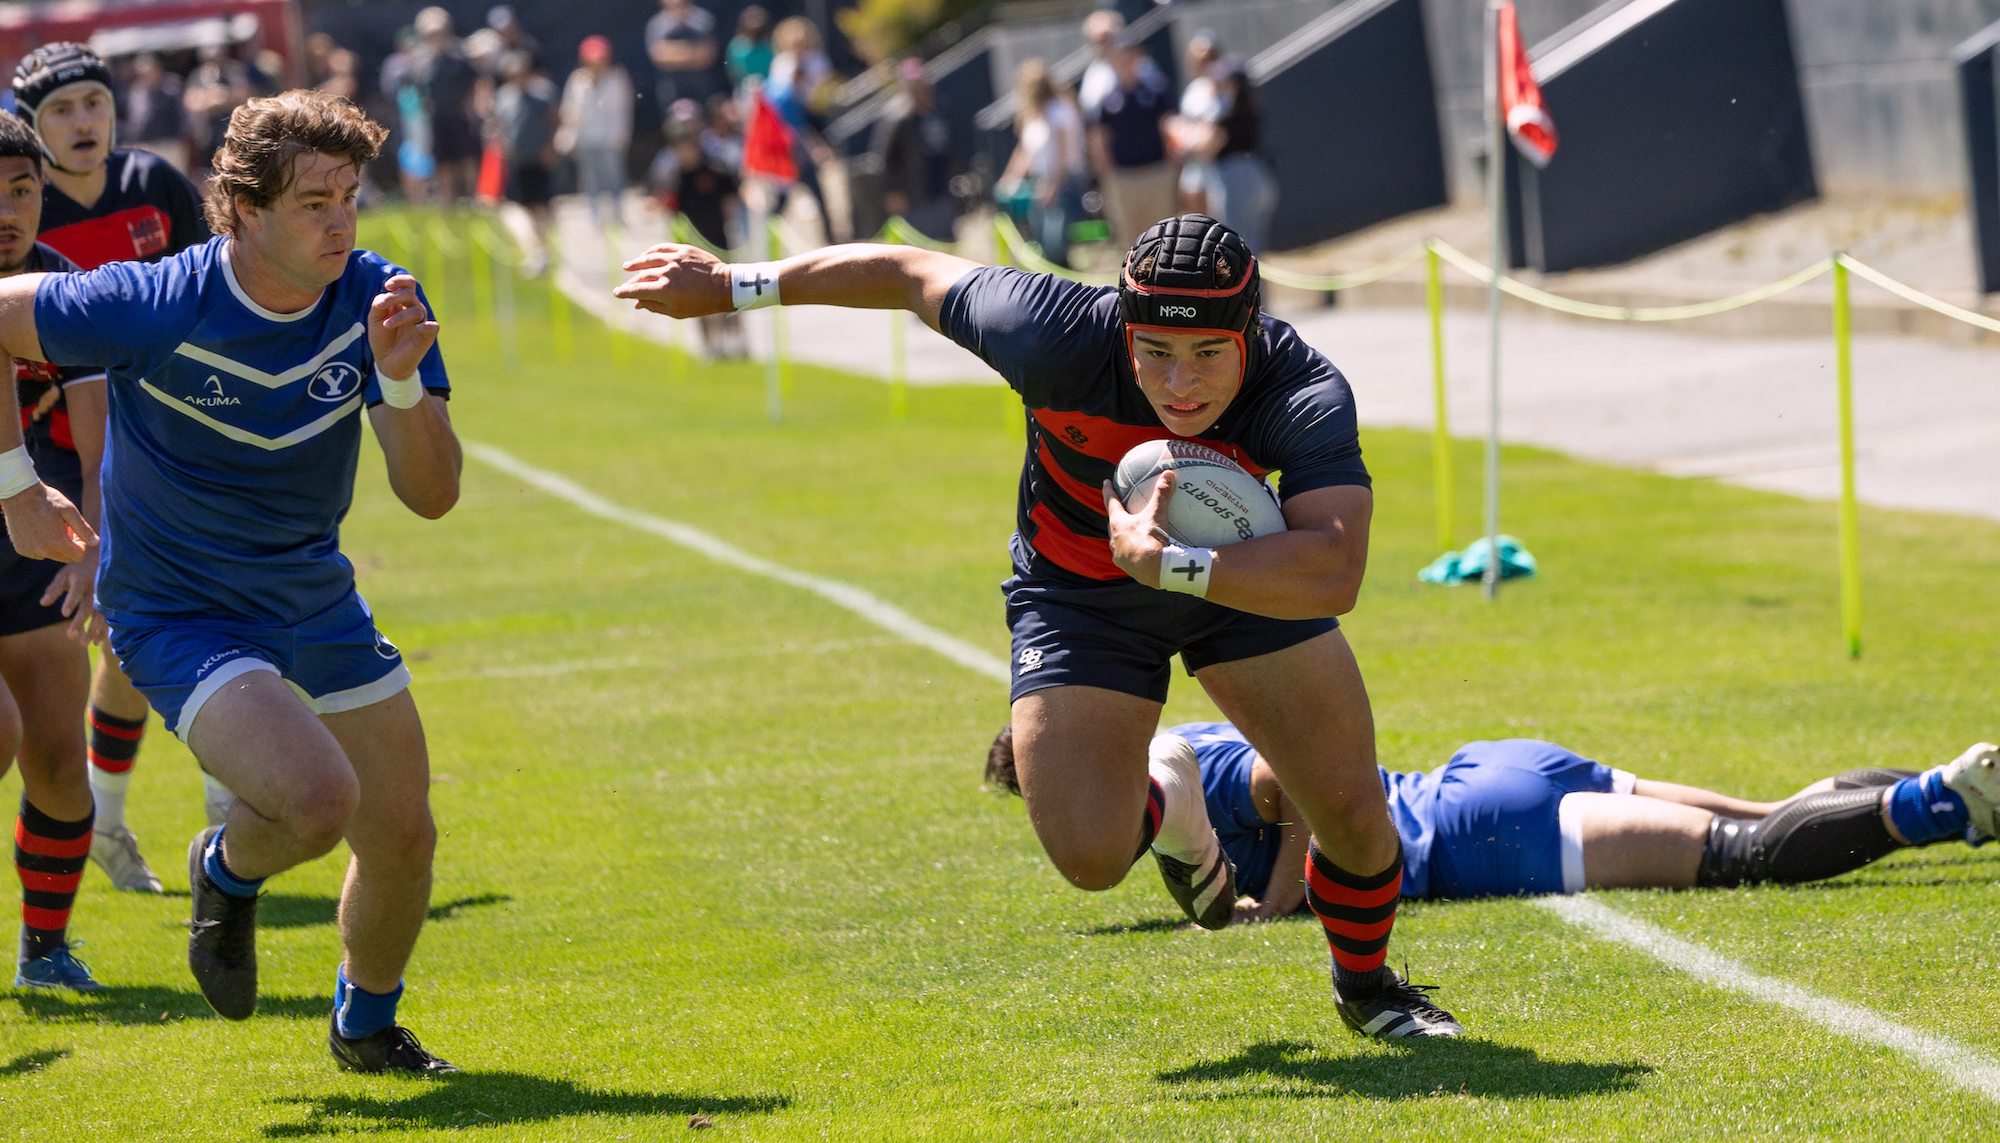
(1225,757)
(1061,345)
(234,433)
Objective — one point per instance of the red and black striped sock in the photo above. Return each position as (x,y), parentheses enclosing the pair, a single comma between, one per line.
(114,741)
(1156,808)
(1357,913)
(49,855)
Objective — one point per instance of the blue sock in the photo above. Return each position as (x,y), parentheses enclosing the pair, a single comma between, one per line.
(1925,809)
(211,864)
(358,1012)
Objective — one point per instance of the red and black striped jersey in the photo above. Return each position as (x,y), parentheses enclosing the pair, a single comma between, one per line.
(148,210)
(1060,344)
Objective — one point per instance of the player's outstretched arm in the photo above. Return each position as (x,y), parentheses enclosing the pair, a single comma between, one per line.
(41,522)
(413,426)
(687,281)
(1310,571)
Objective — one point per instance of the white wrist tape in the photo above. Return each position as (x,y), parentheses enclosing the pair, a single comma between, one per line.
(402,394)
(754,285)
(1185,570)
(17,472)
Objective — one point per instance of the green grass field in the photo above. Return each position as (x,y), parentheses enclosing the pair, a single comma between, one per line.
(713,846)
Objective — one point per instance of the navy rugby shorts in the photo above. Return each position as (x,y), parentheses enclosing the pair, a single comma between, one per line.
(336,661)
(1500,826)
(1121,635)
(22,582)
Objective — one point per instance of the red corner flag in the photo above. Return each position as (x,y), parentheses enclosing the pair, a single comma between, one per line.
(1528,122)
(767,143)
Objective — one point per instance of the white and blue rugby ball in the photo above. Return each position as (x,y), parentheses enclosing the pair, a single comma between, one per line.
(1214,501)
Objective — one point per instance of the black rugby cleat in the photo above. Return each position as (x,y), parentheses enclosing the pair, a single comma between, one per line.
(222,940)
(1397,1010)
(393,1049)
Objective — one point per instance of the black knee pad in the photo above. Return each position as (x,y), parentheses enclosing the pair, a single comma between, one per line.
(1870,777)
(1818,836)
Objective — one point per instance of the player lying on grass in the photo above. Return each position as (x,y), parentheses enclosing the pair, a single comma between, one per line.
(45,611)
(238,372)
(102,203)
(1523,816)
(1179,349)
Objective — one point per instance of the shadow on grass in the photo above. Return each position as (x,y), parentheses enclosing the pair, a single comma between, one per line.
(296,910)
(154,1005)
(449,909)
(28,1063)
(1405,1071)
(1155,925)
(489,1099)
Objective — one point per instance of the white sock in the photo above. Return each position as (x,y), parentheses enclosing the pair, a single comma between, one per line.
(1185,833)
(108,791)
(217,798)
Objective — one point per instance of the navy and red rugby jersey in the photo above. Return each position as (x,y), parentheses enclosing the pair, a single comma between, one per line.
(1060,344)
(39,387)
(148,211)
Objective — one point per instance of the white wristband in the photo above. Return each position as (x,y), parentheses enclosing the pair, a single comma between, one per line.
(1185,570)
(17,473)
(402,394)
(754,285)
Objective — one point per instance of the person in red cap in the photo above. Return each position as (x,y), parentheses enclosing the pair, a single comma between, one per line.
(596,126)
(1179,350)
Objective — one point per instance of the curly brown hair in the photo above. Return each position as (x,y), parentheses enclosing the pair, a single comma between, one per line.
(1000,762)
(259,155)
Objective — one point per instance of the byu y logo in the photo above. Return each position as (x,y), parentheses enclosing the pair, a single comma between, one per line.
(336,381)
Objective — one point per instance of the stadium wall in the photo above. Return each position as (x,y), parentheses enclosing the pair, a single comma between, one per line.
(1676,117)
(1350,122)
(1881,98)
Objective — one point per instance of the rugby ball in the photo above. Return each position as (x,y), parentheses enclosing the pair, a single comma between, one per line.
(1214,501)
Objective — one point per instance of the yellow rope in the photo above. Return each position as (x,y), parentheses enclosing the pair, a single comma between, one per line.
(1543,298)
(1919,297)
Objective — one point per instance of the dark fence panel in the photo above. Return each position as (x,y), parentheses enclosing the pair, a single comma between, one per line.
(1676,117)
(1978,92)
(1350,121)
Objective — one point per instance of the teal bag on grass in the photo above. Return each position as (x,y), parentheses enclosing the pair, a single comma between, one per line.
(1469,566)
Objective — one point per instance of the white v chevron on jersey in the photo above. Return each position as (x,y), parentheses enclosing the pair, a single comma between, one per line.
(273,380)
(299,435)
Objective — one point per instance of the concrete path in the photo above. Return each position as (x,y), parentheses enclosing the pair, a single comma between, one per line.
(1756,411)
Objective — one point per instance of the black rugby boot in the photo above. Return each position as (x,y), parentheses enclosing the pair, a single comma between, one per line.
(393,1049)
(222,940)
(1396,1010)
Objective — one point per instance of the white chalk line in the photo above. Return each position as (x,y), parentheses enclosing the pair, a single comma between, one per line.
(1969,1069)
(1972,1070)
(560,667)
(875,610)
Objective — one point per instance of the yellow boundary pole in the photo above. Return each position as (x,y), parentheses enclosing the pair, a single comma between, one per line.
(1441,475)
(1850,513)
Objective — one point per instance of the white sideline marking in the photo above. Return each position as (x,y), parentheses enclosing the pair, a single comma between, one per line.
(627,662)
(1972,1070)
(880,612)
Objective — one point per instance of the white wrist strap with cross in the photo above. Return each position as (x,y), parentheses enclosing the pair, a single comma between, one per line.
(753,285)
(1185,570)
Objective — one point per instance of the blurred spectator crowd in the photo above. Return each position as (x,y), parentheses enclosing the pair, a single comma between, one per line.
(486,113)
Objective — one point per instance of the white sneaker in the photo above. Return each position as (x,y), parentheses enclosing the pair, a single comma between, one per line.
(1975,775)
(116,852)
(1198,874)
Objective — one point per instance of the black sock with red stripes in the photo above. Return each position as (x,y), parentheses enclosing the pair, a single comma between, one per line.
(1156,808)
(114,745)
(49,856)
(1358,913)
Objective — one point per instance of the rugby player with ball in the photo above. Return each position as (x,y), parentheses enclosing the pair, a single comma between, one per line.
(1104,595)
